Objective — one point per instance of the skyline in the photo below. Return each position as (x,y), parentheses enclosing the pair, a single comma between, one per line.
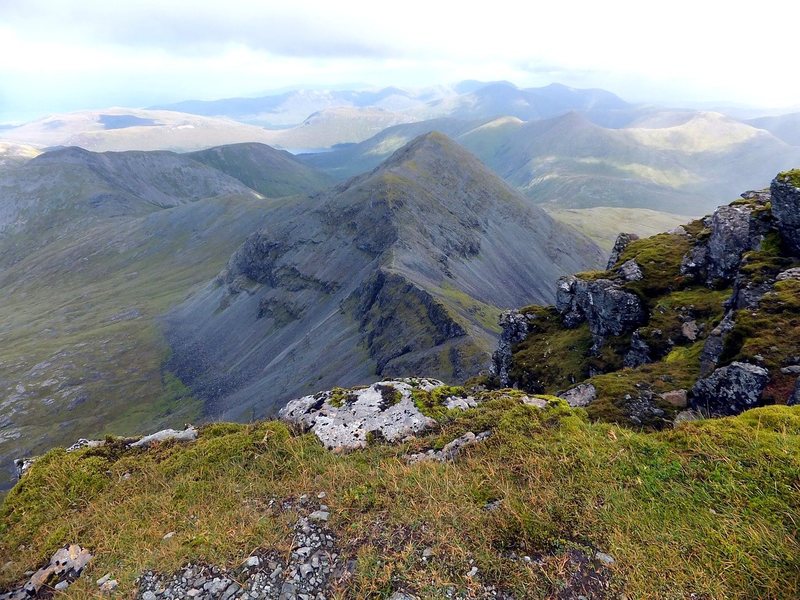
(59,56)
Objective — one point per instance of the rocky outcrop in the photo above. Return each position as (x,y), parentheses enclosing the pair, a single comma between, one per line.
(622,241)
(515,329)
(785,191)
(348,419)
(734,230)
(64,567)
(730,390)
(581,395)
(608,308)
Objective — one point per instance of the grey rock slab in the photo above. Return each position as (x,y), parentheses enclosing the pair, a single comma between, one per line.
(786,210)
(187,435)
(731,389)
(346,420)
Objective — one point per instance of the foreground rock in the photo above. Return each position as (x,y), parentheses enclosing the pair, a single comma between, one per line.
(730,390)
(451,450)
(187,435)
(65,566)
(347,419)
(608,308)
(515,327)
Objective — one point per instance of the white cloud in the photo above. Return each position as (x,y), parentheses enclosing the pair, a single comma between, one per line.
(75,53)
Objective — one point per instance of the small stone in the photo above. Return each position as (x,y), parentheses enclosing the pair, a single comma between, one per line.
(61,586)
(169,535)
(676,398)
(252,561)
(109,586)
(472,572)
(427,553)
(322,495)
(319,515)
(791,370)
(148,595)
(103,579)
(193,592)
(305,571)
(604,558)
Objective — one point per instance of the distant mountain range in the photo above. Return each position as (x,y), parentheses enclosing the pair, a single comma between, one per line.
(686,162)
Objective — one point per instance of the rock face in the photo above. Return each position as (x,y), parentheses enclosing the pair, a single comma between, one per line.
(622,241)
(730,390)
(631,271)
(734,231)
(639,352)
(785,191)
(609,309)
(346,419)
(515,329)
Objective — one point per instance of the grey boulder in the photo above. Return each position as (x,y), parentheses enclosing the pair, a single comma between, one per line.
(730,390)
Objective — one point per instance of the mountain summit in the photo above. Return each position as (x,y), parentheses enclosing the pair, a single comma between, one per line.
(398,271)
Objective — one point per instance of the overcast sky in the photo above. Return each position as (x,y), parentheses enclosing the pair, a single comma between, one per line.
(58,55)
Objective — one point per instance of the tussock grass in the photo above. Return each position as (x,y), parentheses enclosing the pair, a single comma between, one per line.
(710,508)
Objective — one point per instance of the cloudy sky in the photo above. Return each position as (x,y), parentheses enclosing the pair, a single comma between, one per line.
(58,55)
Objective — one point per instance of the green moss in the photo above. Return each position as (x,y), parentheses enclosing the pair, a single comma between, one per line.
(771,258)
(340,396)
(791,177)
(660,258)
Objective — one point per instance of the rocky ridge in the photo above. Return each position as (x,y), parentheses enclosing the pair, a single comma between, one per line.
(678,321)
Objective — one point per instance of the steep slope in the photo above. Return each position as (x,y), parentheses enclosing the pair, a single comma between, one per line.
(704,317)
(273,173)
(397,271)
(688,167)
(93,248)
(119,129)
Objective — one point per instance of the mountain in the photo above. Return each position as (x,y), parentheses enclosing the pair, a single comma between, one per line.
(397,271)
(273,173)
(94,247)
(671,449)
(293,107)
(504,99)
(784,127)
(120,129)
(694,163)
(333,126)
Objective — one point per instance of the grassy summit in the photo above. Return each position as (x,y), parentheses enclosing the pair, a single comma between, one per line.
(708,510)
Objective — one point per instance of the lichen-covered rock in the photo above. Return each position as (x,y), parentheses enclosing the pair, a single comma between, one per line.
(622,241)
(631,271)
(788,274)
(730,390)
(715,343)
(515,329)
(785,192)
(64,567)
(22,465)
(608,308)
(582,394)
(450,450)
(187,435)
(345,419)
